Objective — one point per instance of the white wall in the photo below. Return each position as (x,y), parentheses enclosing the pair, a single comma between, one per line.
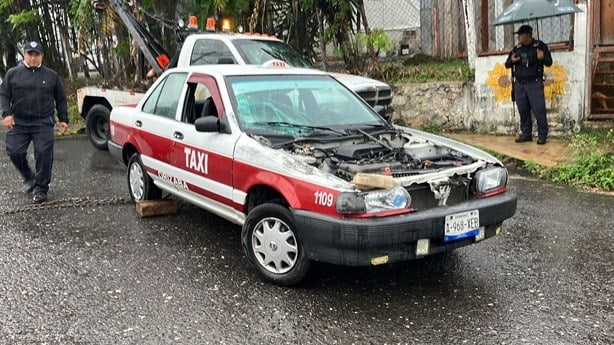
(393,14)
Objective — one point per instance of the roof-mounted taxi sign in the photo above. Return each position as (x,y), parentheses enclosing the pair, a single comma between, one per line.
(275,63)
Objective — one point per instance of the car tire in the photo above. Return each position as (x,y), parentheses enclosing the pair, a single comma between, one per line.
(273,245)
(97,126)
(140,185)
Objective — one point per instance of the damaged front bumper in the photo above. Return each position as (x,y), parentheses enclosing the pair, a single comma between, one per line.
(362,242)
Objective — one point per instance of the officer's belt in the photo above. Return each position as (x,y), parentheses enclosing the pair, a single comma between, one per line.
(527,81)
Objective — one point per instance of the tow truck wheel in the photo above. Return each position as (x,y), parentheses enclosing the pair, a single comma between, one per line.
(273,246)
(140,185)
(97,125)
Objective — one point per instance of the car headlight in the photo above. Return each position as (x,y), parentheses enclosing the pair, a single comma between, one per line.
(372,202)
(350,203)
(490,181)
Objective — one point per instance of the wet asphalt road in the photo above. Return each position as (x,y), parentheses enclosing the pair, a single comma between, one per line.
(102,275)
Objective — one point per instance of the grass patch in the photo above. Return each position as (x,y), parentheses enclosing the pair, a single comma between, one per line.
(422,69)
(594,167)
(432,127)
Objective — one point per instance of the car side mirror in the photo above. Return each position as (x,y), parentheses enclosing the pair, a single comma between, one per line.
(211,124)
(382,111)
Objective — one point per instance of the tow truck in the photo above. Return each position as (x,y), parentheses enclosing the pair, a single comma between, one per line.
(203,48)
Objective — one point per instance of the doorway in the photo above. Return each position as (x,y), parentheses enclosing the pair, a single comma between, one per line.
(602,76)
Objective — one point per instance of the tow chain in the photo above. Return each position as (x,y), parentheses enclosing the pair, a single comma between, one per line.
(64,203)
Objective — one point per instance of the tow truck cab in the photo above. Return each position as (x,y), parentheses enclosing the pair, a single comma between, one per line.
(256,49)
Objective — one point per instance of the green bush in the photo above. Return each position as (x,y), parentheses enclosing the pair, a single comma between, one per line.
(377,40)
(432,127)
(594,166)
(73,114)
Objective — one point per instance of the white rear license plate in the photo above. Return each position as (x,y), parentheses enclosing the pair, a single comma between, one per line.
(461,225)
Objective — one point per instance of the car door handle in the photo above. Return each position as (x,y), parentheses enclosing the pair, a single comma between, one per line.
(138,123)
(178,135)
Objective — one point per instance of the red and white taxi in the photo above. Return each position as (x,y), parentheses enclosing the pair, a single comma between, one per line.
(308,169)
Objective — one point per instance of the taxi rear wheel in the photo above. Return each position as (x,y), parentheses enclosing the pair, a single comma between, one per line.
(273,245)
(140,185)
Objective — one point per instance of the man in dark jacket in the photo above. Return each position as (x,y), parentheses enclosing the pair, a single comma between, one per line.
(527,60)
(28,96)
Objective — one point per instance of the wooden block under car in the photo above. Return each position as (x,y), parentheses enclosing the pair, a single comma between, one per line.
(160,207)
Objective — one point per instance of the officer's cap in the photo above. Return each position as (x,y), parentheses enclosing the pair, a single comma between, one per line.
(33,46)
(524,29)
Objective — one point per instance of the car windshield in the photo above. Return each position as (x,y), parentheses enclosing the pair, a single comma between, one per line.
(257,52)
(298,105)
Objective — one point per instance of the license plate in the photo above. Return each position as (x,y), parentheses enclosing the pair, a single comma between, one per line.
(462,225)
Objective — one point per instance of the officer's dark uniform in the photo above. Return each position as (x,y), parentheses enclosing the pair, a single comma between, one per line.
(529,85)
(29,94)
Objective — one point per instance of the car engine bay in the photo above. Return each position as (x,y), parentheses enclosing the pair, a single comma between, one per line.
(391,153)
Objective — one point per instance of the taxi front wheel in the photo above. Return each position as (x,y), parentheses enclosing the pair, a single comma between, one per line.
(140,185)
(273,245)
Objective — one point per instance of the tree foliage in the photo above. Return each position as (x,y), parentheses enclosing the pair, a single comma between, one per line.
(309,25)
(79,40)
(46,21)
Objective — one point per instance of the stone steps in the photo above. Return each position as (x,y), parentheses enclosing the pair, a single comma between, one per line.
(607,124)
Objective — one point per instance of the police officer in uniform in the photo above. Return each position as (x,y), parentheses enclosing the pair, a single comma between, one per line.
(28,96)
(527,61)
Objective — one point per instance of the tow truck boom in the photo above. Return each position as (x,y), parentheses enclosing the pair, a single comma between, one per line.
(153,51)
(95,103)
